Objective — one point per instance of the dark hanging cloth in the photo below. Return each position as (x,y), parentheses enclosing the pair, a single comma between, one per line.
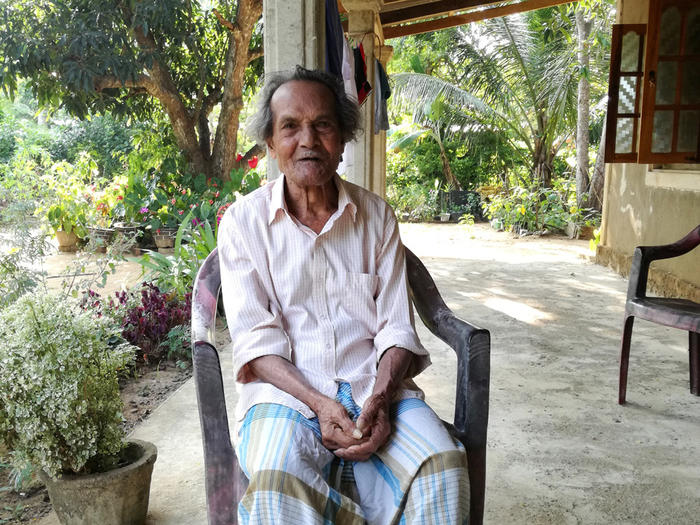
(363,85)
(381,95)
(334,39)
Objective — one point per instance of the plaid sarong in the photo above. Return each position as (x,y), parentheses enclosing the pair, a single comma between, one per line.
(419,476)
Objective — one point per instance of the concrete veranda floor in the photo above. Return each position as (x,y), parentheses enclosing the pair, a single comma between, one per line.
(560,448)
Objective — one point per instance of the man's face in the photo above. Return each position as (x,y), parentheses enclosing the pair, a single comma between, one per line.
(305,133)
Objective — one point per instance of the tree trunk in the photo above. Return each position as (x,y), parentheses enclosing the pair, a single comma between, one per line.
(238,56)
(595,192)
(542,164)
(583,28)
(446,169)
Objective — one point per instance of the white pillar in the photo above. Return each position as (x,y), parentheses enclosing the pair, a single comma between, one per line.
(294,33)
(368,169)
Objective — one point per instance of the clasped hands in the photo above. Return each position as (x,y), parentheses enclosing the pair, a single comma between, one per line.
(358,440)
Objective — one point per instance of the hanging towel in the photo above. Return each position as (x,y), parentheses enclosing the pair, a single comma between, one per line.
(381,95)
(334,39)
(361,82)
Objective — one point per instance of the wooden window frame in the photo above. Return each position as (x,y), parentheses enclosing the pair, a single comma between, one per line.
(645,96)
(618,32)
(646,156)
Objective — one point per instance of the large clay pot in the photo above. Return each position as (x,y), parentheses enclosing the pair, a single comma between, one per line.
(165,237)
(116,497)
(67,242)
(102,237)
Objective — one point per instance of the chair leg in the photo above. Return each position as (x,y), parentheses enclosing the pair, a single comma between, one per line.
(625,357)
(694,348)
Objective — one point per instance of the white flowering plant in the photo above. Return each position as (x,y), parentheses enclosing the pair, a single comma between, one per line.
(60,408)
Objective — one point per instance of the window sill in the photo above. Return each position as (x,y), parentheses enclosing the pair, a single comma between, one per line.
(673,179)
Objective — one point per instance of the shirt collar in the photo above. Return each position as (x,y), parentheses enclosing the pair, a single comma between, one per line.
(278,203)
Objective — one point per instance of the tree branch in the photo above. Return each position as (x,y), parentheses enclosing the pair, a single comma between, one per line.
(226,23)
(112,82)
(255,53)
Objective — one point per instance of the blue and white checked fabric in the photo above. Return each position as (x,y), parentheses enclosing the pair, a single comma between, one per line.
(419,476)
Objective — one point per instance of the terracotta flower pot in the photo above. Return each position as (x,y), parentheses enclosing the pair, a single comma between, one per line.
(165,237)
(67,242)
(102,237)
(116,497)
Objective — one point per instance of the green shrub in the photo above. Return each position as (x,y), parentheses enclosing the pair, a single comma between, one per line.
(529,210)
(60,408)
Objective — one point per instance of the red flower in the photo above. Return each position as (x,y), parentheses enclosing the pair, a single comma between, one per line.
(211,202)
(184,191)
(253,162)
(158,230)
(180,212)
(120,197)
(238,157)
(172,201)
(216,194)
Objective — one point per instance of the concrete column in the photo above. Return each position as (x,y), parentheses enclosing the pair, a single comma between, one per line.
(369,167)
(294,33)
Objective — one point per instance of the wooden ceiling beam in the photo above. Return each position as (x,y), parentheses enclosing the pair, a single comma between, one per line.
(466,18)
(405,13)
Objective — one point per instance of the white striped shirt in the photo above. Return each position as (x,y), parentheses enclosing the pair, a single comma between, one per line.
(330,303)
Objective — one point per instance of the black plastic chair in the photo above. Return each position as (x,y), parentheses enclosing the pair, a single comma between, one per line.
(225,481)
(677,313)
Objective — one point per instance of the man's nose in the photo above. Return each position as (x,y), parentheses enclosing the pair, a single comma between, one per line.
(309,136)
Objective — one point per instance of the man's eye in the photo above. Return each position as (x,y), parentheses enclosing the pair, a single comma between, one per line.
(288,125)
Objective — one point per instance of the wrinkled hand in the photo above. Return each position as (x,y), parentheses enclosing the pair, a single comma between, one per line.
(375,427)
(336,426)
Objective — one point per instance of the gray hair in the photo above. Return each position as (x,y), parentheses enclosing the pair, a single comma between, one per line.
(259,125)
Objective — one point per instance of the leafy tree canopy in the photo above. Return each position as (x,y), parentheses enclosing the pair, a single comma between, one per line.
(129,58)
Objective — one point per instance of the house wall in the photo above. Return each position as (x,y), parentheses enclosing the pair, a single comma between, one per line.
(649,206)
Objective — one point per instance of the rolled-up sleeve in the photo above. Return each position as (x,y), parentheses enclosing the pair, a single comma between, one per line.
(255,324)
(394,310)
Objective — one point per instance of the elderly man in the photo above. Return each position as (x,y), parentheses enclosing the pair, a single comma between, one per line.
(331,427)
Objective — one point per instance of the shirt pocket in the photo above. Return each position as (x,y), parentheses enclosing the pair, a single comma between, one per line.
(358,298)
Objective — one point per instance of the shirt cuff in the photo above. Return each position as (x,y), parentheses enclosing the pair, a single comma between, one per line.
(254,346)
(407,340)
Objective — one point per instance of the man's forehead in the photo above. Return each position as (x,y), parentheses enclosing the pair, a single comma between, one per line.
(296,95)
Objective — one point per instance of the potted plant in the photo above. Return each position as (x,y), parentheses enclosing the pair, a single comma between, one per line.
(67,219)
(60,409)
(68,211)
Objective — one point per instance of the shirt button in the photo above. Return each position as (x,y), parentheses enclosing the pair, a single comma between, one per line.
(328,346)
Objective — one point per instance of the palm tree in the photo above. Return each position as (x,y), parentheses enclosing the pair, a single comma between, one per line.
(516,78)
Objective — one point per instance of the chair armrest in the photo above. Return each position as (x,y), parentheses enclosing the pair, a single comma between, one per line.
(219,457)
(473,348)
(645,255)
(222,475)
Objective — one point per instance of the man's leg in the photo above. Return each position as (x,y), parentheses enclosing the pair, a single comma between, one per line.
(281,453)
(419,476)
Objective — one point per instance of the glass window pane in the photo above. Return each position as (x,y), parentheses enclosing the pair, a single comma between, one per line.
(688,129)
(690,91)
(623,135)
(692,35)
(627,94)
(629,60)
(670,31)
(666,73)
(662,133)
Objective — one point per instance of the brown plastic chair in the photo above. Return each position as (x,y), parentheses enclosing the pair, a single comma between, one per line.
(677,313)
(225,481)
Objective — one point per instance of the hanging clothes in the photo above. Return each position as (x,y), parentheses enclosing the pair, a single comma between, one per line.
(335,39)
(381,95)
(348,159)
(363,86)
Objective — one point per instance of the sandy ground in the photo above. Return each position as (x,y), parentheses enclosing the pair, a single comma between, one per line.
(560,448)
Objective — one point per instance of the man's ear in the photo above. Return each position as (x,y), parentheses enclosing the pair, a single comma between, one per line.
(270,149)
